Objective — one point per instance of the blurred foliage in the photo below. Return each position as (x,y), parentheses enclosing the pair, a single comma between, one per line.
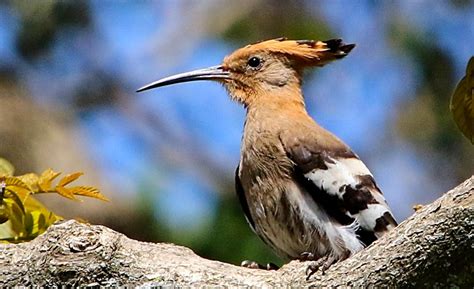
(462,102)
(233,240)
(42,20)
(462,4)
(227,237)
(424,119)
(294,22)
(22,217)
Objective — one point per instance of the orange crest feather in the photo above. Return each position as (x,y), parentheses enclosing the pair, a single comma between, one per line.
(308,52)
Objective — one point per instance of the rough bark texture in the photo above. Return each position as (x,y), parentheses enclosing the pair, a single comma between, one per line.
(433,248)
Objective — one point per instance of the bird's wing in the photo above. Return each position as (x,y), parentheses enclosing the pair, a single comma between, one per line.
(243,200)
(339,181)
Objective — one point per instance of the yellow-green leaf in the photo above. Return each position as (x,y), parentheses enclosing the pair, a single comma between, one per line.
(462,103)
(65,193)
(46,179)
(16,217)
(88,192)
(35,223)
(28,223)
(36,208)
(25,227)
(50,218)
(6,168)
(69,178)
(22,217)
(12,197)
(15,182)
(40,223)
(31,180)
(3,214)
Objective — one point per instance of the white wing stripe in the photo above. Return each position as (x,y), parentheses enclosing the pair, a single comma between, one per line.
(367,218)
(342,172)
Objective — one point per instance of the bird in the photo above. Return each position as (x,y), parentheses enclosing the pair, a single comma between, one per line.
(303,191)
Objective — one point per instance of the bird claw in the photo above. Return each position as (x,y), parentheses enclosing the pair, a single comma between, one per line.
(307,256)
(321,264)
(254,265)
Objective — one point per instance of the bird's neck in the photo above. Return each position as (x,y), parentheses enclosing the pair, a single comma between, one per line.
(271,103)
(274,111)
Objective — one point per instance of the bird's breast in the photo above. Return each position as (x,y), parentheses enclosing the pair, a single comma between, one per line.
(266,174)
(263,160)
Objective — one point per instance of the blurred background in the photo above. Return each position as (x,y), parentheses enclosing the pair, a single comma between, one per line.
(166,158)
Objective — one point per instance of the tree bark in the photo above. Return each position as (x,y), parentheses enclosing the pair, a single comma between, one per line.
(433,248)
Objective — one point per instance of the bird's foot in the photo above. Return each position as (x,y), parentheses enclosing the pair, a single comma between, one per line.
(322,264)
(254,265)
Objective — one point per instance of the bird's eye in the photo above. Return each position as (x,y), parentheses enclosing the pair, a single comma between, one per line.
(254,62)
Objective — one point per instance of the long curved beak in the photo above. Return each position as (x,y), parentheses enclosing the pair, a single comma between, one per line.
(210,73)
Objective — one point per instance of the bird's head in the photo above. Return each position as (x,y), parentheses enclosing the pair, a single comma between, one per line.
(271,67)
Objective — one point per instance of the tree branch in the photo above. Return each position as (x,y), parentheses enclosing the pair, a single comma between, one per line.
(433,248)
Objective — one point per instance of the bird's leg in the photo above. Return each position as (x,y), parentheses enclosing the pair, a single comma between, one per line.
(322,264)
(254,265)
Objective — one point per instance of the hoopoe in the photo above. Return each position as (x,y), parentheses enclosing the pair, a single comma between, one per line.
(303,191)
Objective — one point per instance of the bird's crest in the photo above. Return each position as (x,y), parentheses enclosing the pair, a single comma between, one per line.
(306,52)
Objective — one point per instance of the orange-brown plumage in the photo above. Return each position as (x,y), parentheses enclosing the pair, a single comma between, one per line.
(303,191)
(282,63)
(307,52)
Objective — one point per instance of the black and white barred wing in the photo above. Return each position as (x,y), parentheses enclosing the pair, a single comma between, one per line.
(340,182)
